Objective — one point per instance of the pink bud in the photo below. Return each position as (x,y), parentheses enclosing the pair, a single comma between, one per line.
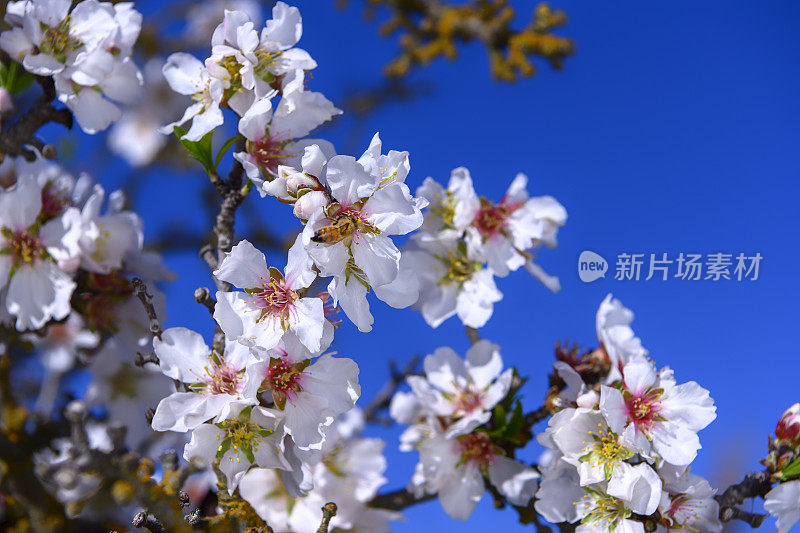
(299,180)
(788,427)
(309,203)
(6,102)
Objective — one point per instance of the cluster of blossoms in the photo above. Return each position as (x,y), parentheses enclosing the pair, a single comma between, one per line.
(253,407)
(349,471)
(624,442)
(453,428)
(66,257)
(266,405)
(465,241)
(86,49)
(245,72)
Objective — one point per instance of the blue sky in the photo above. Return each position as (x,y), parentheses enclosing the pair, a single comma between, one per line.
(672,129)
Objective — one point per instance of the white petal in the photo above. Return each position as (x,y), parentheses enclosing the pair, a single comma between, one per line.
(182,354)
(461,493)
(244,266)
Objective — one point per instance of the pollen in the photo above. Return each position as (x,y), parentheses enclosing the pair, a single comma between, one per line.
(459,268)
(22,246)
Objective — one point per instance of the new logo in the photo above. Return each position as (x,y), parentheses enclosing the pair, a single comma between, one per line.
(591,266)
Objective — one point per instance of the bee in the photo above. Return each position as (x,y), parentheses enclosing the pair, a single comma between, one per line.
(344,225)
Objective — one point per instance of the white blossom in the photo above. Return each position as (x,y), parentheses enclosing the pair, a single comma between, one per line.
(248,435)
(503,231)
(655,413)
(38,290)
(276,137)
(215,381)
(349,238)
(309,394)
(271,303)
(86,48)
(464,391)
(452,281)
(783,502)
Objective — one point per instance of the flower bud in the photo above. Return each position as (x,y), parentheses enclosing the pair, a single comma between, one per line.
(788,427)
(310,202)
(299,180)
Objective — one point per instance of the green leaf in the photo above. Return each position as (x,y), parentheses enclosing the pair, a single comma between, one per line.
(517,420)
(224,148)
(224,447)
(248,452)
(14,80)
(792,470)
(244,415)
(199,150)
(499,416)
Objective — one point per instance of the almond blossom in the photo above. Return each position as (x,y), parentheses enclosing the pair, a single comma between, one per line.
(272,303)
(656,414)
(86,48)
(308,394)
(349,471)
(107,240)
(503,231)
(688,503)
(613,324)
(452,281)
(464,391)
(248,435)
(450,211)
(30,247)
(188,76)
(274,138)
(455,469)
(215,381)
(242,68)
(349,238)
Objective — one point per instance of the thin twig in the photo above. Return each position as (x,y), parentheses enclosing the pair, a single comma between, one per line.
(140,290)
(473,335)
(398,500)
(203,296)
(384,396)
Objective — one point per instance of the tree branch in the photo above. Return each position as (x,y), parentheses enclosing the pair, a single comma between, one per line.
(384,396)
(755,484)
(398,500)
(23,131)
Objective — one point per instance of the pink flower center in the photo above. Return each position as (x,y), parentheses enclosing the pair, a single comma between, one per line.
(681,513)
(491,218)
(284,379)
(643,409)
(274,299)
(477,448)
(268,152)
(468,401)
(222,379)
